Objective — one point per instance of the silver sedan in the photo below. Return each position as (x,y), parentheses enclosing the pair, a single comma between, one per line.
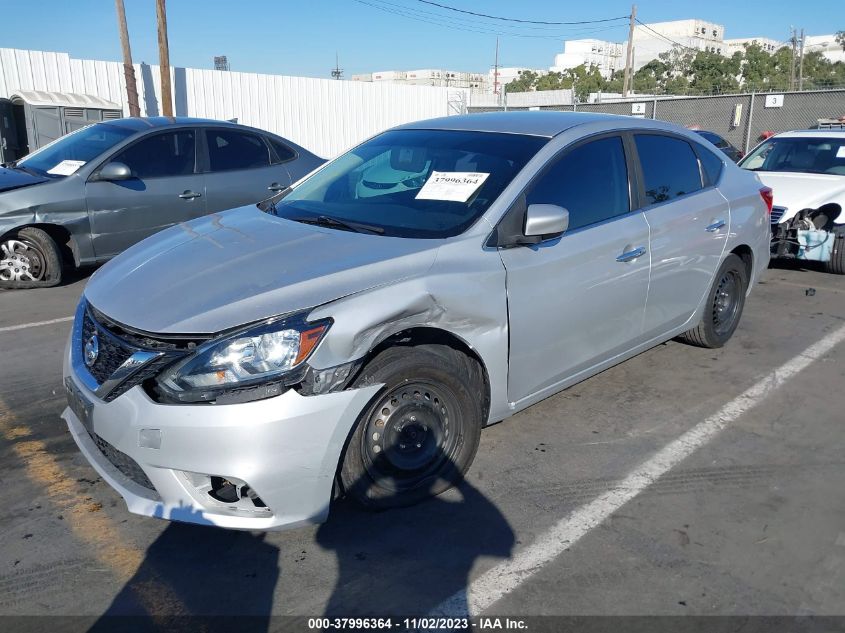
(355,333)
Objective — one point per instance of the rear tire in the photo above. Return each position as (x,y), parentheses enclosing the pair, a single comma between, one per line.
(836,265)
(723,309)
(419,434)
(29,258)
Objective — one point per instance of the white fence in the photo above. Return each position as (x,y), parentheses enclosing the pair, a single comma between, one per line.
(323,115)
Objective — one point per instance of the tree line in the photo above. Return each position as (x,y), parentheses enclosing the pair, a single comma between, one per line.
(684,71)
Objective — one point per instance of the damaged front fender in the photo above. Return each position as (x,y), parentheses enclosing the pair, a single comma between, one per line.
(462,295)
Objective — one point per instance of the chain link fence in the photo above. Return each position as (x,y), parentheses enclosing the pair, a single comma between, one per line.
(739,118)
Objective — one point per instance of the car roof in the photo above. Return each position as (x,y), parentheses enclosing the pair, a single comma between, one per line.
(534,123)
(141,124)
(812,133)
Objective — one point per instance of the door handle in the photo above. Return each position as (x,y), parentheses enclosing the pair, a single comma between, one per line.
(628,256)
(189,195)
(275,187)
(718,224)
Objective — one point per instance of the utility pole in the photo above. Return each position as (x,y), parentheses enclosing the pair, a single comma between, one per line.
(629,55)
(164,60)
(337,72)
(128,68)
(496,70)
(801,63)
(792,65)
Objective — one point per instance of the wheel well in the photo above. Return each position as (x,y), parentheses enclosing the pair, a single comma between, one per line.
(745,253)
(434,336)
(61,236)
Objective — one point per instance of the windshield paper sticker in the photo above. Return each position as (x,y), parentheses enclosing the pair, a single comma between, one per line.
(840,153)
(454,186)
(66,167)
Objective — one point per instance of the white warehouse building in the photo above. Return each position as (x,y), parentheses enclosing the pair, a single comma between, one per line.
(608,57)
(428,77)
(652,39)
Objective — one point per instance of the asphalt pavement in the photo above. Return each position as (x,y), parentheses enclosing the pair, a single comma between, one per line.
(682,482)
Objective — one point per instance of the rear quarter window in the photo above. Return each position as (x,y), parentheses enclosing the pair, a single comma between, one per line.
(711,164)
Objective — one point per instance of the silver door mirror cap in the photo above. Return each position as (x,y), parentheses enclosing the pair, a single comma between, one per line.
(114,171)
(545,220)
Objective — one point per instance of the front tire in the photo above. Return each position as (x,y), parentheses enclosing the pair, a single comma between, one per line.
(420,433)
(724,306)
(29,258)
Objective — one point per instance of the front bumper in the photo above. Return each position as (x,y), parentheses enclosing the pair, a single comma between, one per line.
(286,449)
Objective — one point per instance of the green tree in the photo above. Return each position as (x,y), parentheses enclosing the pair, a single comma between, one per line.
(712,73)
(523,83)
(840,39)
(550,81)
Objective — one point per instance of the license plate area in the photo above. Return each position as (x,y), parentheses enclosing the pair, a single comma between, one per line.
(80,405)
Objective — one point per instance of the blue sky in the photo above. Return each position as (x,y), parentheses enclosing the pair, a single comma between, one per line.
(301,37)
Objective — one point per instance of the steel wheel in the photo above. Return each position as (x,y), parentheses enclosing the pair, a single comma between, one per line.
(726,302)
(409,434)
(21,260)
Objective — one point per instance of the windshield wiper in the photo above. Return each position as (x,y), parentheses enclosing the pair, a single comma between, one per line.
(325,220)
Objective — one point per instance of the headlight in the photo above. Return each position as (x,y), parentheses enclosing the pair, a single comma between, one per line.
(269,353)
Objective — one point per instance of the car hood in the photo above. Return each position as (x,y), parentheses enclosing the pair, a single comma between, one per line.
(16,178)
(240,266)
(796,191)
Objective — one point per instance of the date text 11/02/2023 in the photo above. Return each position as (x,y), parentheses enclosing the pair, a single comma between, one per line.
(418,623)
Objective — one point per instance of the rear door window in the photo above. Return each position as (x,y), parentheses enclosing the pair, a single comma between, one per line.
(590,181)
(161,155)
(229,150)
(670,168)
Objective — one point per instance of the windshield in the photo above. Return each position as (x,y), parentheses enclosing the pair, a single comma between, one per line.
(413,183)
(70,152)
(816,155)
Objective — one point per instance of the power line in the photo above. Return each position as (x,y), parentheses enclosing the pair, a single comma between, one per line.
(474,22)
(479,28)
(496,17)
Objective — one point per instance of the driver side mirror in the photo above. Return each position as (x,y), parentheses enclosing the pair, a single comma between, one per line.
(545,220)
(114,172)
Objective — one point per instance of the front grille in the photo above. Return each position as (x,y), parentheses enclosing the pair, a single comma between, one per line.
(125,464)
(117,344)
(112,353)
(777,214)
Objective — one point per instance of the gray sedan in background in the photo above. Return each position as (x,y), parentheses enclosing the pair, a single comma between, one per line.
(437,278)
(91,194)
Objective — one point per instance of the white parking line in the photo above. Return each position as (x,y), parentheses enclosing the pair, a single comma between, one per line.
(510,574)
(23,326)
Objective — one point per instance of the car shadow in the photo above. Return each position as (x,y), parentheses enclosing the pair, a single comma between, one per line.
(399,562)
(408,562)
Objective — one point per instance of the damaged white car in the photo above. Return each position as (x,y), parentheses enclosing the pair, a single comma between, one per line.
(241,368)
(806,171)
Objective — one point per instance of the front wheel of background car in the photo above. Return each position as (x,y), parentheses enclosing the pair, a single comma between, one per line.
(836,264)
(420,433)
(723,309)
(29,258)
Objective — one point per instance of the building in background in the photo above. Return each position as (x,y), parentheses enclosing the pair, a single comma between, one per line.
(506,75)
(608,57)
(738,45)
(437,77)
(650,40)
(826,45)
